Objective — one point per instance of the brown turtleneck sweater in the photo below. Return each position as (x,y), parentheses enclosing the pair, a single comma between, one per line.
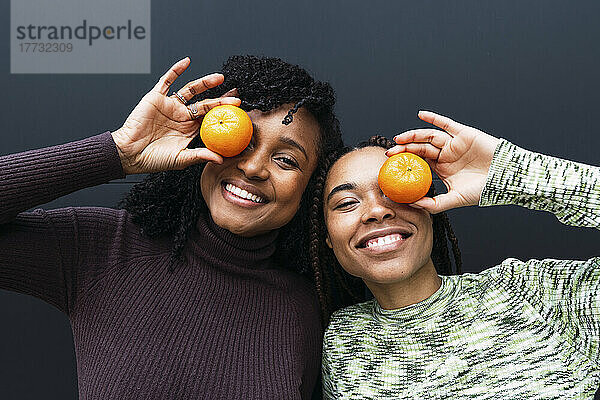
(228,324)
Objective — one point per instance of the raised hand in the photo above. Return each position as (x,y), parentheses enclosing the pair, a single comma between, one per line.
(460,155)
(156,133)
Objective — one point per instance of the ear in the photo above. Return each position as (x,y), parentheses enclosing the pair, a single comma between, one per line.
(328,241)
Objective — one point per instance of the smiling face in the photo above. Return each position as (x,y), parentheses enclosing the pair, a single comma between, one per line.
(260,189)
(374,238)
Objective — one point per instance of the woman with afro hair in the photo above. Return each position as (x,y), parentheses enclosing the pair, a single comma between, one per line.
(199,285)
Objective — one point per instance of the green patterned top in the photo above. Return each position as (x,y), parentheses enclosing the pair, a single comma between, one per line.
(519,330)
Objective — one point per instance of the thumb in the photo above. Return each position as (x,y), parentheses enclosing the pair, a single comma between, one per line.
(189,157)
(437,204)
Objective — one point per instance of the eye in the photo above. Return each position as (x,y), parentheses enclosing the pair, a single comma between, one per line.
(345,205)
(287,162)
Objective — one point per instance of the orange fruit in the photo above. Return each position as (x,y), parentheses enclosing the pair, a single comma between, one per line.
(405,178)
(226,130)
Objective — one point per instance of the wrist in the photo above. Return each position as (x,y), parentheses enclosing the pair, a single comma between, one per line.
(503,169)
(125,164)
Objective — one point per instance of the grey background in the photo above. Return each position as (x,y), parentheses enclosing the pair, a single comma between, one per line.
(522,70)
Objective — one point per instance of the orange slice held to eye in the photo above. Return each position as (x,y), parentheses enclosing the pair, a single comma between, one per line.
(405,178)
(226,130)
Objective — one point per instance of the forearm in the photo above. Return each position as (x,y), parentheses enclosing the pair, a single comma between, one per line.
(568,189)
(36,177)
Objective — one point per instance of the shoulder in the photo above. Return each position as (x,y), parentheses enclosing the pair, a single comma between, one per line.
(349,333)
(79,220)
(350,319)
(513,268)
(474,285)
(510,273)
(354,312)
(296,294)
(536,269)
(102,229)
(85,215)
(303,291)
(94,220)
(548,280)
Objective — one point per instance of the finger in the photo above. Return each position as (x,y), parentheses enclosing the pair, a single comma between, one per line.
(179,97)
(231,93)
(425,150)
(437,204)
(200,85)
(189,157)
(445,123)
(434,136)
(205,106)
(165,81)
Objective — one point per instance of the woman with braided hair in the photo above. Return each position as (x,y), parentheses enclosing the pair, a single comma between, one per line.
(519,330)
(344,289)
(199,287)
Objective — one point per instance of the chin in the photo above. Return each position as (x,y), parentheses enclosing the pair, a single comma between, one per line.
(227,221)
(385,276)
(385,280)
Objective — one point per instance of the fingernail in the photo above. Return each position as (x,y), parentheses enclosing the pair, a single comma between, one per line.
(416,206)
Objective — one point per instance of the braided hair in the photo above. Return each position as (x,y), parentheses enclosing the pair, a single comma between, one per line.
(169,203)
(340,288)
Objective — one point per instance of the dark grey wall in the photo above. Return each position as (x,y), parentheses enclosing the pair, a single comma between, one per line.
(523,70)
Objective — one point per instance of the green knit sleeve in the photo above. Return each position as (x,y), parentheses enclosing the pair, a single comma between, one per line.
(566,293)
(568,189)
(329,391)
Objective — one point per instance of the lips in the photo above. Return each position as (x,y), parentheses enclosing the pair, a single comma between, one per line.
(384,237)
(245,191)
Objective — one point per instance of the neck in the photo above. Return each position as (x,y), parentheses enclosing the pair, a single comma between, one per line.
(211,240)
(411,290)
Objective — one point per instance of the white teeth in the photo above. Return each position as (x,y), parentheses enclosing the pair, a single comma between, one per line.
(243,193)
(380,241)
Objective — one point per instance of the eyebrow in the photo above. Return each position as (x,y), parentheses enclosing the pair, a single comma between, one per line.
(342,187)
(293,143)
(286,140)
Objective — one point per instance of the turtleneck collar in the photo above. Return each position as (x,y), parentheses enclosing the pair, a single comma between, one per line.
(209,240)
(422,311)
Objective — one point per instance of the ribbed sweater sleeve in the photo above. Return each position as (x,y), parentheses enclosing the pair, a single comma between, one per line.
(38,249)
(564,291)
(568,189)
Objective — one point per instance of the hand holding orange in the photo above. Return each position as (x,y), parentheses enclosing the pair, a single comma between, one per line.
(405,178)
(226,130)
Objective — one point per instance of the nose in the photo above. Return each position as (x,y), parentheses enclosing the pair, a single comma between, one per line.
(253,165)
(377,210)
